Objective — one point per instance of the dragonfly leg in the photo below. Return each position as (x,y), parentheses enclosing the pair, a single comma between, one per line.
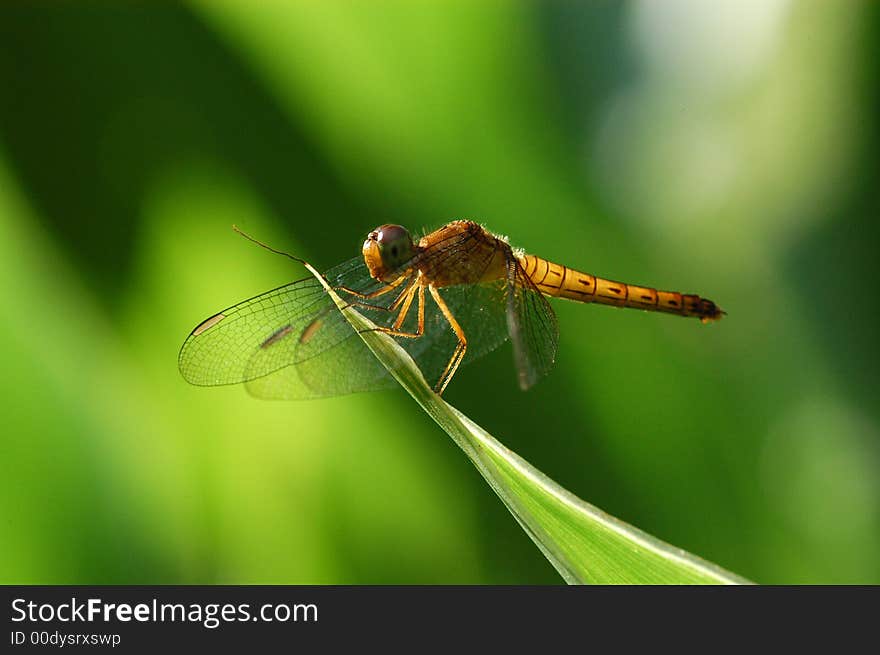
(460,349)
(406,293)
(395,331)
(378,292)
(404,310)
(365,305)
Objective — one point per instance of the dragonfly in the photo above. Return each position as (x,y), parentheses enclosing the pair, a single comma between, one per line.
(448,298)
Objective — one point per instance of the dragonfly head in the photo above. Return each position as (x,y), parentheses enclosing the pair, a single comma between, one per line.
(386,249)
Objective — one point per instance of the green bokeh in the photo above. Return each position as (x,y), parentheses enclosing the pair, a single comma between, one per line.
(617,138)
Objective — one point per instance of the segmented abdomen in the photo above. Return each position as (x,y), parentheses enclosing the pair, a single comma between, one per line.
(563,282)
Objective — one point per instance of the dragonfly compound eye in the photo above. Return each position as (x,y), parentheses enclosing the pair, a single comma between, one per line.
(395,245)
(386,249)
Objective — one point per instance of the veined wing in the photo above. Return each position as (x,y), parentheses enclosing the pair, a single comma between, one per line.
(291,342)
(532,326)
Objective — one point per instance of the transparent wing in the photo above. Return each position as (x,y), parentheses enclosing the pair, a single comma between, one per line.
(219,350)
(345,367)
(532,326)
(290,342)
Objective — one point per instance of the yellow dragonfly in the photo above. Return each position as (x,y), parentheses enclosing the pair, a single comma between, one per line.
(450,297)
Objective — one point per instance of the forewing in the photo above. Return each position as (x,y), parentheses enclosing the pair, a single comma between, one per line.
(221,349)
(291,343)
(329,358)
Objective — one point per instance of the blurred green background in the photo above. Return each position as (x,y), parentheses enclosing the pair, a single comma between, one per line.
(728,149)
